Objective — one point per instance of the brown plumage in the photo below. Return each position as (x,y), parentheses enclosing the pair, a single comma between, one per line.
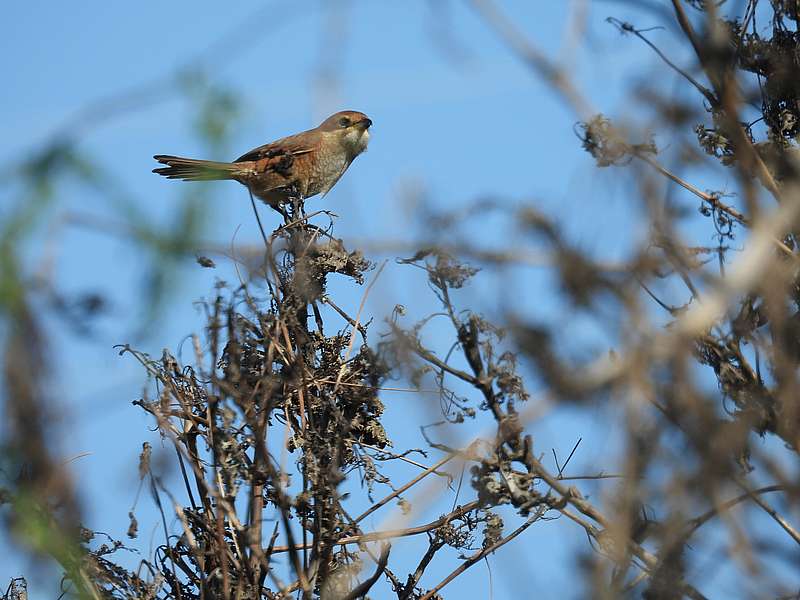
(295,167)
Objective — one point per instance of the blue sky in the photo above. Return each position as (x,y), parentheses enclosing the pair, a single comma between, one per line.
(456,118)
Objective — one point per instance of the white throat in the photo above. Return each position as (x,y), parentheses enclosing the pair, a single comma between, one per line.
(357,141)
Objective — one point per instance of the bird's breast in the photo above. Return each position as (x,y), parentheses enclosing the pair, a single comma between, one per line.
(326,171)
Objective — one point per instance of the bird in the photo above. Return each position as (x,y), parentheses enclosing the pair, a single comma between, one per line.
(291,169)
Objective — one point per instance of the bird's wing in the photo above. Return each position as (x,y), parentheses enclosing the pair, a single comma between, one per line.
(294,145)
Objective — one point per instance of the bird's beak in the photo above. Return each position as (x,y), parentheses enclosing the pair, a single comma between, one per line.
(365,123)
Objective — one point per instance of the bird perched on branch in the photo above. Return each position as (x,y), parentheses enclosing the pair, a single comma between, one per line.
(287,170)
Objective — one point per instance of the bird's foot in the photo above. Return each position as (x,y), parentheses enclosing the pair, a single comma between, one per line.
(298,209)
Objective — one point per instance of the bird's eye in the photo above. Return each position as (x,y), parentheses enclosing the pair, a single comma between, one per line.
(344,122)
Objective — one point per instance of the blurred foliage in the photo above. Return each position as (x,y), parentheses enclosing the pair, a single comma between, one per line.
(37,501)
(704,362)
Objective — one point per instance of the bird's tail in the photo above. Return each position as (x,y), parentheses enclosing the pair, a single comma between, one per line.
(191,169)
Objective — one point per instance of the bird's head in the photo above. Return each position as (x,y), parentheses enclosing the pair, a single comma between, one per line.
(352,129)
